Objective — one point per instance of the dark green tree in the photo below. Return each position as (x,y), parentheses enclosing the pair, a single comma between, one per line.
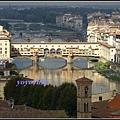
(30,94)
(68,100)
(10,87)
(41,94)
(48,94)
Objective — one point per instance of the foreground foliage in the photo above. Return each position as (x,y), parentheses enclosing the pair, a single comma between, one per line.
(44,97)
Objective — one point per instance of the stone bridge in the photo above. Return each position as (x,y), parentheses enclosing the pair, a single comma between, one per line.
(69,58)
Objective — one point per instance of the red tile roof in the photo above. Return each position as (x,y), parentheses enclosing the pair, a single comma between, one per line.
(115,103)
(83,79)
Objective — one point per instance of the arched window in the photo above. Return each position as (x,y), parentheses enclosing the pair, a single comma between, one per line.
(86,91)
(86,107)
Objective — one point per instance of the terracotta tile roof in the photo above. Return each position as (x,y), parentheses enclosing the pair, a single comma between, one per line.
(106,45)
(83,79)
(115,103)
(100,109)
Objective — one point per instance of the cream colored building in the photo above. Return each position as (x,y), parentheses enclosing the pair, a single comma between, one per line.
(107,52)
(69,21)
(106,33)
(5,43)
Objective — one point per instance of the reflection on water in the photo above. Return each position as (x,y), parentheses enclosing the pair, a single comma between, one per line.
(69,73)
(58,76)
(54,72)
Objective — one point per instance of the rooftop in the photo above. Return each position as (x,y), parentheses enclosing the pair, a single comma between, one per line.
(83,79)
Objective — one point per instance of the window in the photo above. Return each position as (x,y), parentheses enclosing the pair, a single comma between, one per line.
(0,52)
(5,43)
(20,45)
(5,48)
(0,48)
(86,91)
(27,45)
(5,52)
(86,107)
(111,50)
(0,44)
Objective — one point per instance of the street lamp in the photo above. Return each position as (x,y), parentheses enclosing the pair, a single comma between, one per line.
(11,101)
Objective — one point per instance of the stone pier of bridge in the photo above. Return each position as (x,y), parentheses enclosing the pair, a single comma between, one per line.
(35,59)
(69,59)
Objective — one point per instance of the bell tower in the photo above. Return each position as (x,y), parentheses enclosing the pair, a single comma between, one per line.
(84,92)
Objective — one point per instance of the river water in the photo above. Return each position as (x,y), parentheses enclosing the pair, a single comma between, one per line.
(56,72)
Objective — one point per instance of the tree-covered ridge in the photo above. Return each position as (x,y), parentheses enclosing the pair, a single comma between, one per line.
(44,97)
(47,14)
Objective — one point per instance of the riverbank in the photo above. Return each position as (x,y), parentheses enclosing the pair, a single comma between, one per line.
(109,70)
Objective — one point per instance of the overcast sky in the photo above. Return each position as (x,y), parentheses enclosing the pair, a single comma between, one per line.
(59,3)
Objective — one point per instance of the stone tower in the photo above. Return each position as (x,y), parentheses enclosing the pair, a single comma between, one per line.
(84,92)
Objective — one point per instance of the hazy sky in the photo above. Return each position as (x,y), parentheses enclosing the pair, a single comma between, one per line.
(59,3)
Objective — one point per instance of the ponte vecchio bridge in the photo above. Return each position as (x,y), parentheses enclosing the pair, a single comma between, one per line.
(66,50)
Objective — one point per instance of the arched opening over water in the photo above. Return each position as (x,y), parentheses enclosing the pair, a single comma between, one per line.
(53,63)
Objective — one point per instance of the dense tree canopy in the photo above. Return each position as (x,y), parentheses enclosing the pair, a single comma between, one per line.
(45,97)
(47,14)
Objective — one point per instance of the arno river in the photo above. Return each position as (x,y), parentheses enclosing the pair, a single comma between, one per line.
(53,72)
(56,72)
